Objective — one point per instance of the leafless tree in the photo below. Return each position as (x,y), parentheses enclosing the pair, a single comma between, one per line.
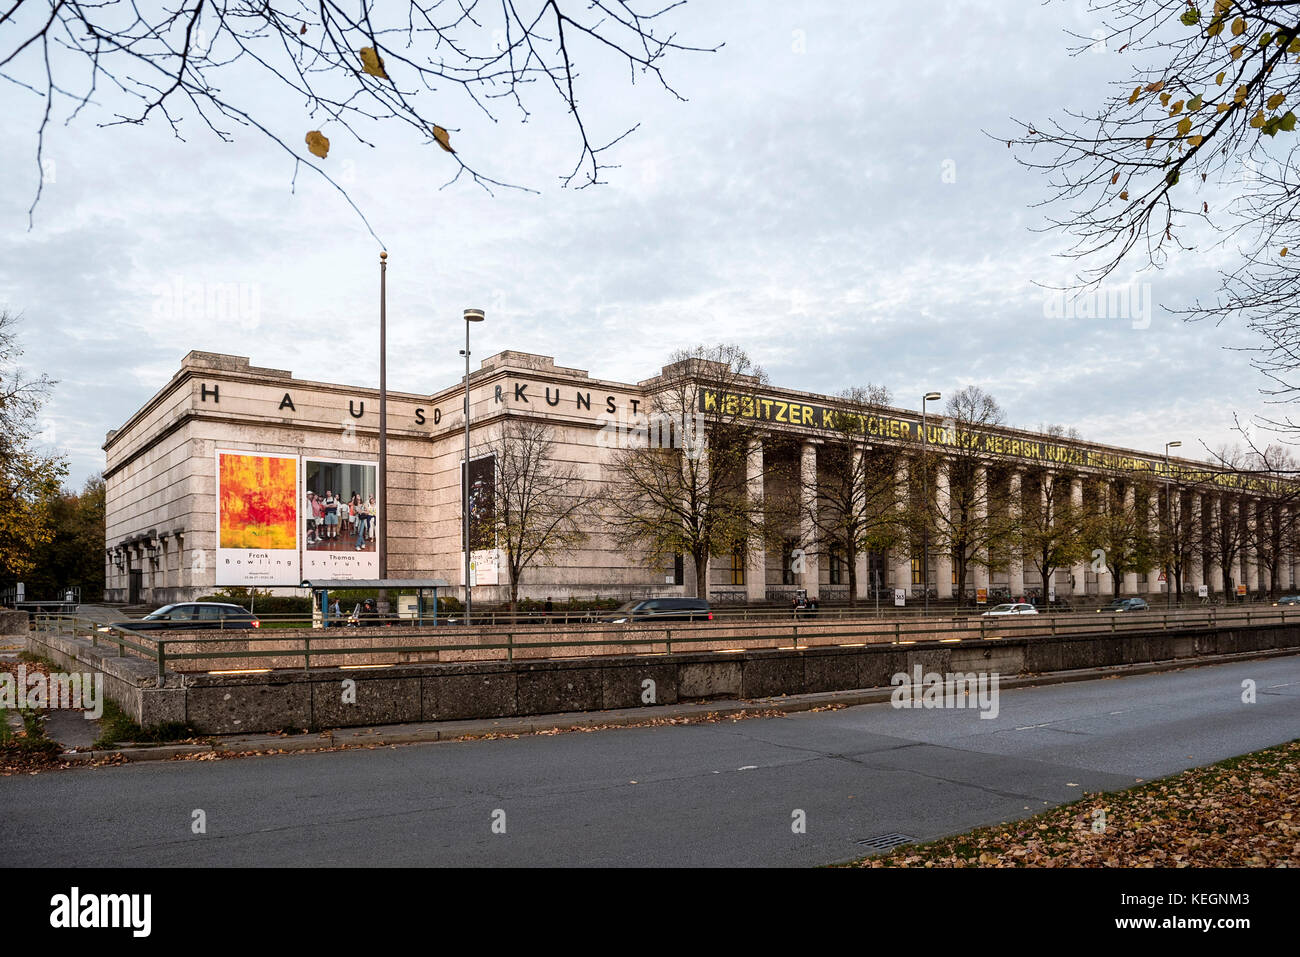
(977,520)
(855,497)
(538,501)
(1051,529)
(1195,146)
(420,65)
(684,489)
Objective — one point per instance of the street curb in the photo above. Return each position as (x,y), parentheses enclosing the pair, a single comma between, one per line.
(434,731)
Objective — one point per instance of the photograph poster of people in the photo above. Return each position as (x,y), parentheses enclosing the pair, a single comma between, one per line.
(340,519)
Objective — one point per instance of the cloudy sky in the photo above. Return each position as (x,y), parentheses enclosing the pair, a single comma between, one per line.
(827,196)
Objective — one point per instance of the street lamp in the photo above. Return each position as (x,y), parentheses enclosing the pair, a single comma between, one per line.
(471,315)
(1169,510)
(925,506)
(381,546)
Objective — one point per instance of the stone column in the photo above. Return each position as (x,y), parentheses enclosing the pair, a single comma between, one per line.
(1234,523)
(1250,554)
(942,560)
(1195,560)
(1079,572)
(811,579)
(1130,586)
(756,554)
(1016,565)
(863,589)
(981,572)
(1108,493)
(1214,572)
(900,557)
(1153,531)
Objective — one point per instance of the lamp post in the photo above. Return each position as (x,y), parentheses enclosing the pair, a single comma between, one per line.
(471,315)
(925,505)
(381,545)
(1169,512)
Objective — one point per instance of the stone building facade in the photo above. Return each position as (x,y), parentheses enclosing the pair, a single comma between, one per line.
(161,485)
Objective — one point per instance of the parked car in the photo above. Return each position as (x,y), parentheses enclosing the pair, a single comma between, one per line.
(660,609)
(1288,600)
(1013,608)
(193,616)
(1126,604)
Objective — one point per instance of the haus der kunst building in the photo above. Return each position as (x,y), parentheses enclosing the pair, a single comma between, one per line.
(234,474)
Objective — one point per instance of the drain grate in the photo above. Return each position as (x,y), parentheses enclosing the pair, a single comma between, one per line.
(883,842)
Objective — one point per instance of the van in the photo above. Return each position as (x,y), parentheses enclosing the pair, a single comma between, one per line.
(660,609)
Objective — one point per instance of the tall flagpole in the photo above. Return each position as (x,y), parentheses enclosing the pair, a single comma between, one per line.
(382,537)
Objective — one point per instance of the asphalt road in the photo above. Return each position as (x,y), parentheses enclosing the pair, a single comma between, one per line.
(717,794)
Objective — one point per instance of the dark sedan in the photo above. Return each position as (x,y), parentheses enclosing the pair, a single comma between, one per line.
(193,616)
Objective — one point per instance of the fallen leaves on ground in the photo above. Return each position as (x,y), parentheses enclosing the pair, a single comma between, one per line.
(1243,812)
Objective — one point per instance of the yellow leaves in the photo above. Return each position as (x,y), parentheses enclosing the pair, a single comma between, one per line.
(1155,87)
(1284,249)
(1137,90)
(1176,108)
(1218,80)
(1164,99)
(318,144)
(1276,100)
(1214,29)
(1115,178)
(1222,107)
(1194,140)
(1238,26)
(372,62)
(1240,95)
(1236,51)
(1124,195)
(1195,103)
(1257,120)
(1150,139)
(1184,126)
(443,139)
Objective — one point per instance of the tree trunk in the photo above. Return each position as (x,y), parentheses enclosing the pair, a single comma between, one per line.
(701,574)
(1046,574)
(852,552)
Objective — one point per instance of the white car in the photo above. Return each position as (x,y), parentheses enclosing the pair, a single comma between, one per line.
(1016,608)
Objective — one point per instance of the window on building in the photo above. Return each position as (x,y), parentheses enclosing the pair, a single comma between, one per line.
(916,571)
(837,564)
(737,565)
(679,569)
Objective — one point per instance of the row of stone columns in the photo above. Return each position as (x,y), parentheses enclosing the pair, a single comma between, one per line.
(1208,508)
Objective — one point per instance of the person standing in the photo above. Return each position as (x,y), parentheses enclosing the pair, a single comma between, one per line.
(331,506)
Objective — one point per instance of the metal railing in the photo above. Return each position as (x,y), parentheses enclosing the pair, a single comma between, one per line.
(404,646)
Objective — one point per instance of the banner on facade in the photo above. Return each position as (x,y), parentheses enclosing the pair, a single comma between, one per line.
(257,519)
(900,597)
(981,596)
(482,503)
(340,519)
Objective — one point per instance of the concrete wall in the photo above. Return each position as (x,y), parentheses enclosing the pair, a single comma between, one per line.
(223,704)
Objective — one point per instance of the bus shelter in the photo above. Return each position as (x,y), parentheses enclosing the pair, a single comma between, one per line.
(321,589)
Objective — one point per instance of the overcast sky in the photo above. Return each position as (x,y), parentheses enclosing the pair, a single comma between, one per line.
(826,197)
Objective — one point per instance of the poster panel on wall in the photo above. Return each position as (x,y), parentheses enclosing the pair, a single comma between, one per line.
(482,503)
(257,519)
(340,519)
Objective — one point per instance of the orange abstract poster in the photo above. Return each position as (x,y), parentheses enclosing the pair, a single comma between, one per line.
(257,519)
(258,502)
